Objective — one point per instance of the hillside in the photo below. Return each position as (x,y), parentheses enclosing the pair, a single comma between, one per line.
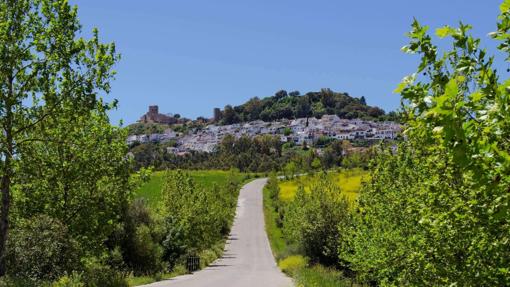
(292,105)
(282,105)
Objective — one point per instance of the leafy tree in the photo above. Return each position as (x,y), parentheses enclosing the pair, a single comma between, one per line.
(280,95)
(311,220)
(294,105)
(79,176)
(138,237)
(436,210)
(294,93)
(196,216)
(230,116)
(45,70)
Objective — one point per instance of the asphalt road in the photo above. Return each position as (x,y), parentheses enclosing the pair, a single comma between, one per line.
(247,260)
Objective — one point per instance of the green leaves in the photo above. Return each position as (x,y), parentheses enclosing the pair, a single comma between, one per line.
(406,81)
(75,173)
(444,32)
(203,214)
(436,211)
(505,6)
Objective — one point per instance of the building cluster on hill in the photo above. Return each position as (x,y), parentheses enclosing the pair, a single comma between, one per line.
(299,131)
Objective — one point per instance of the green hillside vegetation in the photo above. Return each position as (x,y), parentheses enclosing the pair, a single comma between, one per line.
(292,105)
(282,105)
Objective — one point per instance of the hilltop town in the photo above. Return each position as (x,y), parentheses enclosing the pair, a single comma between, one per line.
(298,131)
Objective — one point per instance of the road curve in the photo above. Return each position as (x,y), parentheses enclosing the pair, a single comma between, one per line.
(247,260)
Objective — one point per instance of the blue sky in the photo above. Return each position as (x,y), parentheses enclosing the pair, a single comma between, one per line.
(191,56)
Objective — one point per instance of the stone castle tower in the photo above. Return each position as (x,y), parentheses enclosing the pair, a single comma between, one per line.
(153,116)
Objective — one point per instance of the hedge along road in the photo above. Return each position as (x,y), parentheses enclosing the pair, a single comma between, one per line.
(247,260)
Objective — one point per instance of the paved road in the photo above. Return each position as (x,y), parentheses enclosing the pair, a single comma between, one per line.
(247,260)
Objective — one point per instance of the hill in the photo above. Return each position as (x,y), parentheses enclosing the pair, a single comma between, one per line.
(292,105)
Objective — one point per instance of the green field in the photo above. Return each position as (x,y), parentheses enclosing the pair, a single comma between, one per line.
(151,190)
(348,180)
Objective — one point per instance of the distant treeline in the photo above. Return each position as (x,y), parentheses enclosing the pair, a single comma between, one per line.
(293,105)
(258,154)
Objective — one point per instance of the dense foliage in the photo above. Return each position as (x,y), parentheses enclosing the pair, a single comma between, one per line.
(196,216)
(255,154)
(64,175)
(292,105)
(436,212)
(312,218)
(187,219)
(308,228)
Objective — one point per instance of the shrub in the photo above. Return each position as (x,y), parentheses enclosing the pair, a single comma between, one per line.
(138,238)
(321,276)
(311,220)
(292,264)
(74,280)
(197,216)
(40,248)
(174,243)
(146,253)
(9,281)
(99,275)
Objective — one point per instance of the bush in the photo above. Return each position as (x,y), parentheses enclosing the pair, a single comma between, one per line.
(321,276)
(139,240)
(292,264)
(40,248)
(312,219)
(74,280)
(8,281)
(198,217)
(99,275)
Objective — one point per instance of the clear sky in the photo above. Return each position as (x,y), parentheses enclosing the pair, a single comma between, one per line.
(190,56)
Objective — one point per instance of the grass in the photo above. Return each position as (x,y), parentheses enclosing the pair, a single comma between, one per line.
(142,280)
(274,233)
(151,190)
(321,276)
(348,180)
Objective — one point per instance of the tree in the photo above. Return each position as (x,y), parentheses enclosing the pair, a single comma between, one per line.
(79,176)
(280,95)
(311,220)
(44,70)
(294,93)
(252,109)
(362,100)
(230,116)
(435,211)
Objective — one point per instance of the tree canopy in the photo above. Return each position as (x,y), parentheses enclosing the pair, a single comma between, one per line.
(292,105)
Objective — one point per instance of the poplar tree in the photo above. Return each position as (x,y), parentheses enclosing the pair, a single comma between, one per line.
(46,70)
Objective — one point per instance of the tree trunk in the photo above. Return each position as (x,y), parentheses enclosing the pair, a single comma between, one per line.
(4,217)
(5,183)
